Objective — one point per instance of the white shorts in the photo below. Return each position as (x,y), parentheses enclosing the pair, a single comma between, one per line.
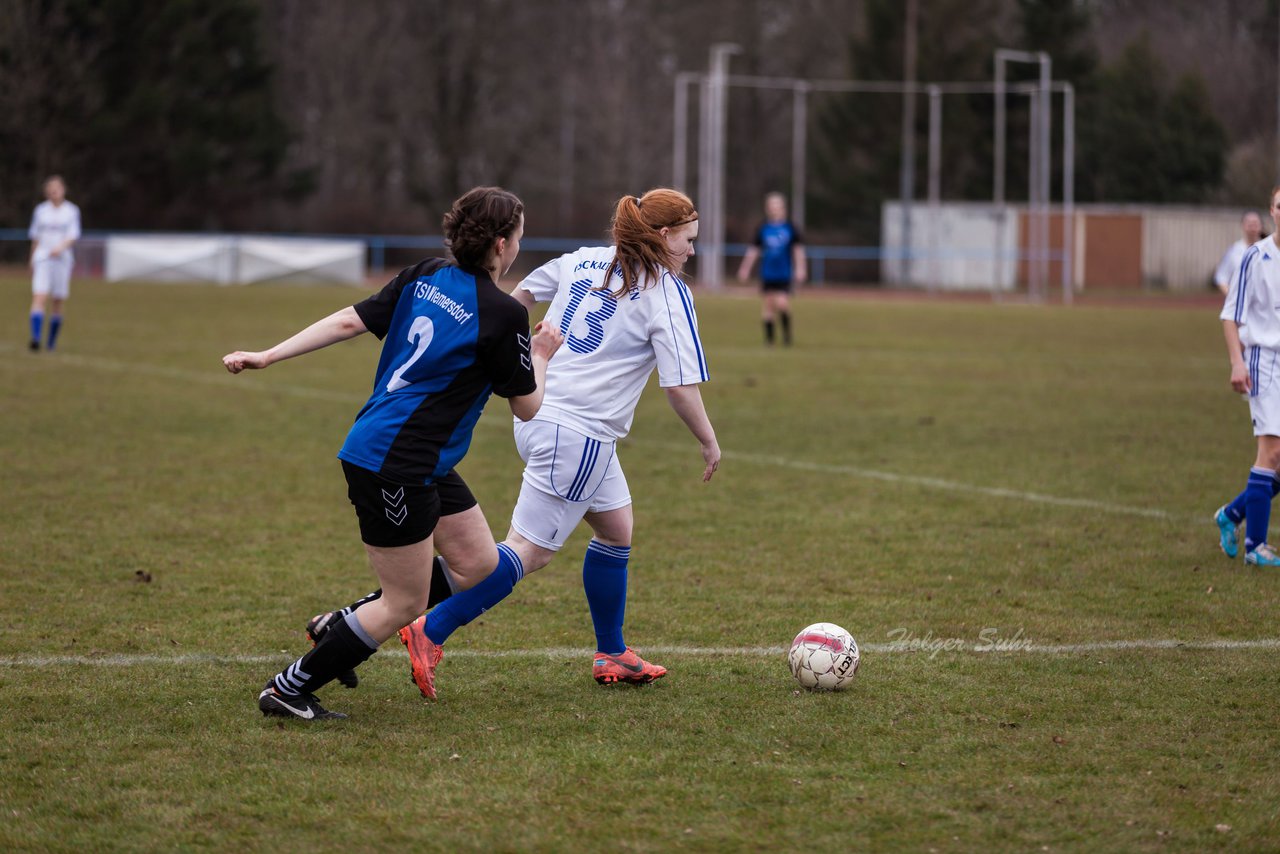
(1264,392)
(566,476)
(51,277)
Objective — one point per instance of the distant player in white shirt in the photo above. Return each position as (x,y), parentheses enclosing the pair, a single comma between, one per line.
(1251,324)
(1251,225)
(55,227)
(623,311)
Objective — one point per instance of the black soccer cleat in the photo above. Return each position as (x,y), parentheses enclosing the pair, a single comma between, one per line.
(34,345)
(316,628)
(303,706)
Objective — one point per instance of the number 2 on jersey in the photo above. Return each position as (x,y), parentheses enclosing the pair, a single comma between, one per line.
(423,330)
(594,319)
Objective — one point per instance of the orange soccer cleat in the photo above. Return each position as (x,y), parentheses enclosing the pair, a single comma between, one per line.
(424,655)
(626,667)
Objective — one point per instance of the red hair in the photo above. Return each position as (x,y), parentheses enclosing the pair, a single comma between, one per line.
(637,233)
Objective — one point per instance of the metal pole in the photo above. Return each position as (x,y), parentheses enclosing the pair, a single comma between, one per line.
(705,169)
(1068,191)
(713,255)
(1033,198)
(935,182)
(680,132)
(997,189)
(907,176)
(1046,169)
(799,136)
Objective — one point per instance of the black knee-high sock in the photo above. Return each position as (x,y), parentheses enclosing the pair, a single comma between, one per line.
(441,589)
(340,650)
(768,331)
(363,600)
(785,317)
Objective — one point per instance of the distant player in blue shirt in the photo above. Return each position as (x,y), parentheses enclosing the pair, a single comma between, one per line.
(450,338)
(780,246)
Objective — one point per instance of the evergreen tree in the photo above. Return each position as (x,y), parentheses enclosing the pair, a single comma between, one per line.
(170,122)
(1147,141)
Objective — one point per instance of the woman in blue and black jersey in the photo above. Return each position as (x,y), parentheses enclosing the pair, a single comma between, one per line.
(780,246)
(451,338)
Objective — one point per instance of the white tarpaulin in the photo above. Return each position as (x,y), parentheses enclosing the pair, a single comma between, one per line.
(170,258)
(294,259)
(233,259)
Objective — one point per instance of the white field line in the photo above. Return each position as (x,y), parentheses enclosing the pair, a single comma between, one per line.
(215,378)
(557,653)
(930,482)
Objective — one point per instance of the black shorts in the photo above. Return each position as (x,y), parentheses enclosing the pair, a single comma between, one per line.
(391,514)
(455,495)
(769,285)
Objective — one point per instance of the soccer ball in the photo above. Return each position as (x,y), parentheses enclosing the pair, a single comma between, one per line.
(824,657)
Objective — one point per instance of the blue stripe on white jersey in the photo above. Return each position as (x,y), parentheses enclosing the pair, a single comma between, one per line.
(686,300)
(1243,283)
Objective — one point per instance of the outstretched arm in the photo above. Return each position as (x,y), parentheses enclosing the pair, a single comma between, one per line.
(339,326)
(686,400)
(546,340)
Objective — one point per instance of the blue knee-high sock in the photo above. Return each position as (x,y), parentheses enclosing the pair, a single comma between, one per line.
(461,608)
(1257,506)
(37,322)
(1235,510)
(604,578)
(55,323)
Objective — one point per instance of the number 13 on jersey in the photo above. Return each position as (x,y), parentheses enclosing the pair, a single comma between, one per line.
(600,307)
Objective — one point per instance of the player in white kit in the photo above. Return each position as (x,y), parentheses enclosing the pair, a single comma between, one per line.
(623,311)
(55,227)
(1251,229)
(1251,324)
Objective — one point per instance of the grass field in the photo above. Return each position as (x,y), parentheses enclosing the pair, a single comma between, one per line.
(932,472)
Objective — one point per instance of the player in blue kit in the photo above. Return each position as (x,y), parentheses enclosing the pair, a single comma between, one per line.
(451,338)
(1251,325)
(780,246)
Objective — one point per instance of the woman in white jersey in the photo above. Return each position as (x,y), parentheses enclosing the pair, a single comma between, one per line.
(1251,233)
(55,227)
(623,310)
(1251,325)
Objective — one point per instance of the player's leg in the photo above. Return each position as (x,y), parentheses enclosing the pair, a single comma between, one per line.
(562,471)
(39,296)
(604,575)
(604,580)
(782,307)
(466,546)
(1258,495)
(467,555)
(766,312)
(400,556)
(59,290)
(55,320)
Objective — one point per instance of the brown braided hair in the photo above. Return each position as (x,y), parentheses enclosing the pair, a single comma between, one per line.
(636,231)
(476,220)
